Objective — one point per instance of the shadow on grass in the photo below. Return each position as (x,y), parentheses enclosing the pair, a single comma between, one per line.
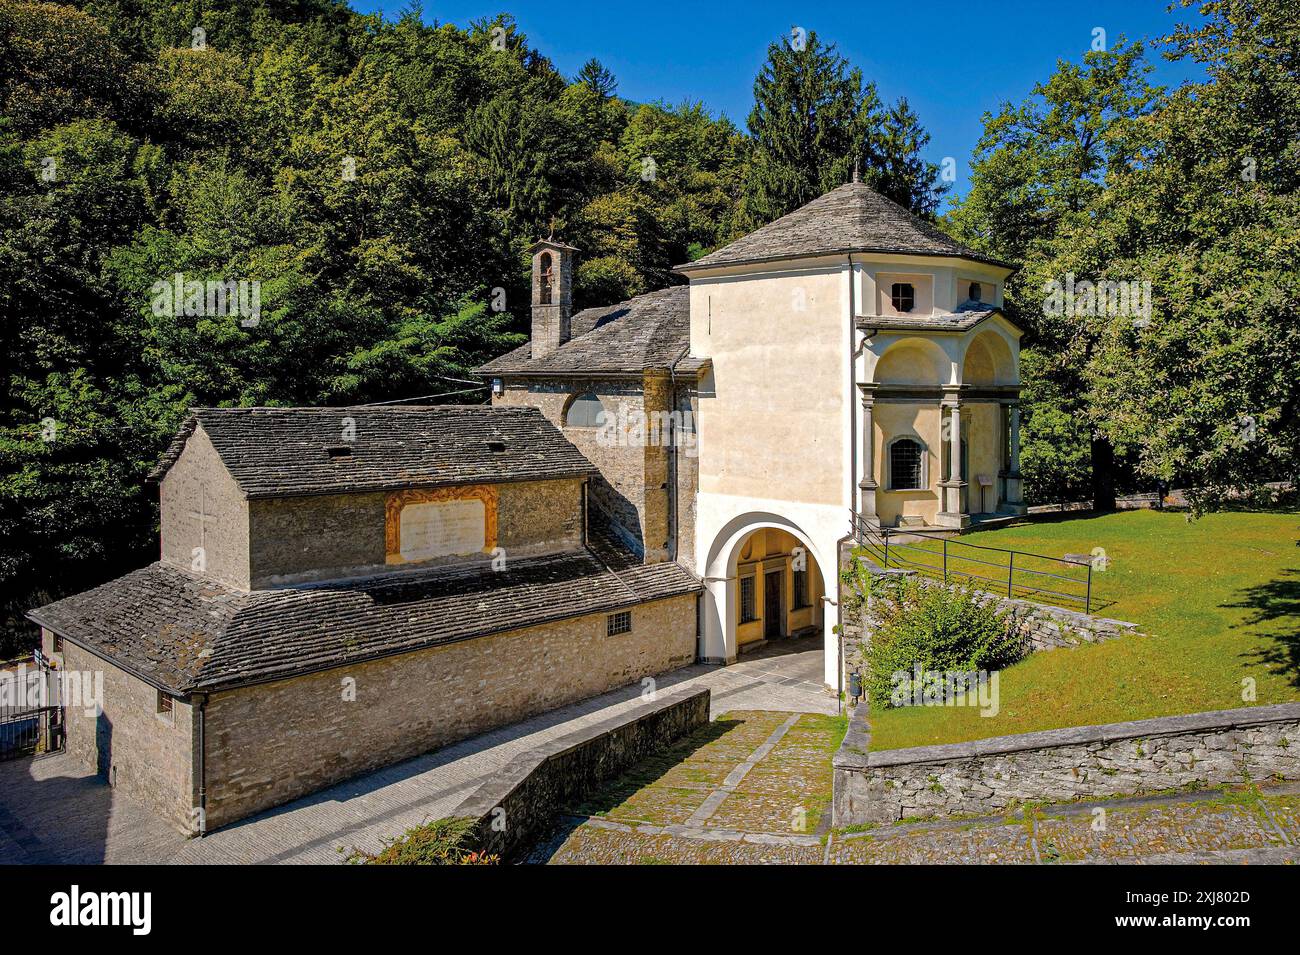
(1275,609)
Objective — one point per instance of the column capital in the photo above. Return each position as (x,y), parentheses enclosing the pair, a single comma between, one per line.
(867,391)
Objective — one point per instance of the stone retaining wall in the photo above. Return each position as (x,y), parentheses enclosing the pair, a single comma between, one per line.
(1049,628)
(520,801)
(1082,762)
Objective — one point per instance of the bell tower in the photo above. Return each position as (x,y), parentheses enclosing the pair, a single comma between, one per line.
(552,294)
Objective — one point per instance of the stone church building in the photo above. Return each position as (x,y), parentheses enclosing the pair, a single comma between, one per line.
(656,482)
(847,364)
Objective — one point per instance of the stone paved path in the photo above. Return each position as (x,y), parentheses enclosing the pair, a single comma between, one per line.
(753,787)
(53,811)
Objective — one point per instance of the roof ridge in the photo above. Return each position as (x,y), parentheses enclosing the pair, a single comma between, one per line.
(852,217)
(292,452)
(378,408)
(650,330)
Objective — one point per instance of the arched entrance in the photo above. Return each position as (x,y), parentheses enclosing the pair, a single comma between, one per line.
(764,582)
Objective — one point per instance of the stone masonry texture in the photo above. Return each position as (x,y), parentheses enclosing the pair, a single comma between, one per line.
(632,489)
(1082,762)
(535,785)
(269,743)
(142,753)
(301,539)
(200,505)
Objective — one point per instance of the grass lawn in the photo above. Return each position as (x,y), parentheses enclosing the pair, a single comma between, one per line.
(1219,598)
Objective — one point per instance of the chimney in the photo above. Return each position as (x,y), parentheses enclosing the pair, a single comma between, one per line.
(552,294)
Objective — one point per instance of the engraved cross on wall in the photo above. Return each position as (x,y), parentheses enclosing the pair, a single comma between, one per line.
(203,517)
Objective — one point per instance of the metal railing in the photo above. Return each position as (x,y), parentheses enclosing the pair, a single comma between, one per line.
(995,568)
(31,732)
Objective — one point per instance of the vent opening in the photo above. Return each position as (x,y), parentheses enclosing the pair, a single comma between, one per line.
(496,445)
(339,451)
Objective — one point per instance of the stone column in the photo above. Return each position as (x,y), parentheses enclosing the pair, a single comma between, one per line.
(951,514)
(867,486)
(1015,501)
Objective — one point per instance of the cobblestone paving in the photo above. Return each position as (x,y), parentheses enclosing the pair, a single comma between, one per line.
(1127,834)
(1284,810)
(754,787)
(986,844)
(591,845)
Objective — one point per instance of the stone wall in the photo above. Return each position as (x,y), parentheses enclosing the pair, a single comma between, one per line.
(634,489)
(539,517)
(303,538)
(139,751)
(273,742)
(1082,762)
(686,461)
(337,535)
(1043,627)
(619,490)
(201,506)
(1051,628)
(519,802)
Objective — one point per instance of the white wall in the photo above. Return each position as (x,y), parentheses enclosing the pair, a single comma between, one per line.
(774,426)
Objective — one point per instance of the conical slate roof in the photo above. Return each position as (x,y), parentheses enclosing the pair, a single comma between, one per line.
(851,218)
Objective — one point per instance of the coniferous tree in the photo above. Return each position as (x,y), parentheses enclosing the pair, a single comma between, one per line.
(813,117)
(599,79)
(897,169)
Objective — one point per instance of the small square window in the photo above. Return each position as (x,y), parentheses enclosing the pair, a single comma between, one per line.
(748,606)
(620,622)
(975,292)
(165,701)
(903,296)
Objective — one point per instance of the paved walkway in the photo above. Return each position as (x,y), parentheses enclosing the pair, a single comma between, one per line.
(52,811)
(754,788)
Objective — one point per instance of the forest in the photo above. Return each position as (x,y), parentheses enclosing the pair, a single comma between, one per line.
(378,181)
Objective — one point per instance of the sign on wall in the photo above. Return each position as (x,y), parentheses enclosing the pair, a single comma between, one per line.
(425,524)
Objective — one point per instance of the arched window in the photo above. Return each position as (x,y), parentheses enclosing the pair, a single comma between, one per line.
(906,465)
(903,296)
(975,292)
(546,280)
(584,412)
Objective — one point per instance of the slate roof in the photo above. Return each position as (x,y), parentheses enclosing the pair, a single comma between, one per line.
(650,331)
(285,452)
(185,633)
(850,218)
(965,317)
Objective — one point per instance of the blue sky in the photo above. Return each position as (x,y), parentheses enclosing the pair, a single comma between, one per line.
(952,60)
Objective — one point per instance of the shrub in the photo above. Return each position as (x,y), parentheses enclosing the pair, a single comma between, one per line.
(935,628)
(441,842)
